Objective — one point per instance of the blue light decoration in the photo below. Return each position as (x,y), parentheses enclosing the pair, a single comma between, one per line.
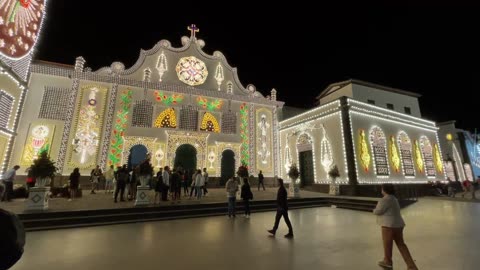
(473,149)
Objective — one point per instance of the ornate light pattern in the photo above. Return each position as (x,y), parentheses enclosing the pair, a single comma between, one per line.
(167,99)
(394,156)
(87,134)
(20,22)
(427,152)
(6,105)
(211,158)
(211,105)
(39,140)
(418,157)
(131,141)
(219,77)
(264,139)
(221,147)
(437,158)
(189,118)
(364,152)
(142,114)
(109,119)
(54,103)
(166,119)
(229,122)
(378,143)
(209,123)
(229,87)
(160,155)
(244,134)
(115,155)
(326,156)
(449,170)
(288,158)
(468,172)
(405,145)
(191,70)
(162,65)
(196,139)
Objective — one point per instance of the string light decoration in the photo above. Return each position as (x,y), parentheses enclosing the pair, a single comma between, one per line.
(394,156)
(264,136)
(211,105)
(378,143)
(39,141)
(458,163)
(326,156)
(54,103)
(6,106)
(209,123)
(142,114)
(196,139)
(449,170)
(191,70)
(188,118)
(418,157)
(219,77)
(229,122)
(365,157)
(229,87)
(167,99)
(162,65)
(437,158)
(244,134)
(115,155)
(468,172)
(427,152)
(166,119)
(405,145)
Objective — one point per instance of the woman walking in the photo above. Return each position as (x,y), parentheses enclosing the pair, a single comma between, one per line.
(247,195)
(74,180)
(389,217)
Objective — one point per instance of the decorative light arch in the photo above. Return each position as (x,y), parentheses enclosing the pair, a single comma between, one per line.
(166,119)
(427,151)
(131,141)
(305,142)
(209,123)
(405,146)
(378,144)
(394,155)
(365,157)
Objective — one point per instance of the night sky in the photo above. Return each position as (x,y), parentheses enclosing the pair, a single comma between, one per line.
(298,49)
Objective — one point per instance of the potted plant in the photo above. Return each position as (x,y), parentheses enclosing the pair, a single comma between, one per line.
(294,174)
(333,173)
(145,171)
(43,170)
(242,171)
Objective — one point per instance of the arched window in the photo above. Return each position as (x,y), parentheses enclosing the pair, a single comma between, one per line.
(166,119)
(378,143)
(210,123)
(142,114)
(427,151)
(405,146)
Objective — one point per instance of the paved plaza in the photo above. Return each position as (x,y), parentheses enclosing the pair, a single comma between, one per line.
(441,234)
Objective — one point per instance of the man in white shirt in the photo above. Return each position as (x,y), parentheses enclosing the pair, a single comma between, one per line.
(166,183)
(7,180)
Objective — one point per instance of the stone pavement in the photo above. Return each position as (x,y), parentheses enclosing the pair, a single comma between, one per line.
(441,234)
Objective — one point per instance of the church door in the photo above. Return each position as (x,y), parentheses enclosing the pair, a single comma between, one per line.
(138,153)
(186,157)
(227,166)
(306,168)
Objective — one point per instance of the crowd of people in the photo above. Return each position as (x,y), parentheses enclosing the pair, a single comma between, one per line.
(466,188)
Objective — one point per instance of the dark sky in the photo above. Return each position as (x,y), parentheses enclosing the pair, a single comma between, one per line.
(297,48)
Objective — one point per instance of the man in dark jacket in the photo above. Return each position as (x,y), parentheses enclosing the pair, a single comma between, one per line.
(282,210)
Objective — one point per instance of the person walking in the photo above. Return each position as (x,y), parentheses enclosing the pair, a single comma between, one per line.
(247,195)
(95,178)
(109,176)
(231,187)
(199,182)
(391,221)
(282,210)
(260,180)
(7,180)
(122,178)
(74,181)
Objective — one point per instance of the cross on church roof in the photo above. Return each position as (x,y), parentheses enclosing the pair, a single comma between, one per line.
(193,28)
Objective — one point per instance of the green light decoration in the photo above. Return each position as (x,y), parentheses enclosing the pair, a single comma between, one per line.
(166,99)
(115,155)
(245,156)
(210,105)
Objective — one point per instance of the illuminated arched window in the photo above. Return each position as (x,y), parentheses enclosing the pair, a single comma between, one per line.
(405,146)
(209,123)
(378,143)
(427,151)
(166,119)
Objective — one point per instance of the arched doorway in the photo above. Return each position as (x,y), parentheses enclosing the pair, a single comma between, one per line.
(227,166)
(138,153)
(305,158)
(186,157)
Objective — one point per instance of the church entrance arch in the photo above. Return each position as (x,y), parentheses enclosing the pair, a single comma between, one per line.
(137,154)
(186,157)
(305,158)
(227,165)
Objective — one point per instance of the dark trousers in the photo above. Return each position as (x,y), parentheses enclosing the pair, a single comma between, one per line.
(246,202)
(165,193)
(8,194)
(205,191)
(185,189)
(120,188)
(282,212)
(231,206)
(193,189)
(261,183)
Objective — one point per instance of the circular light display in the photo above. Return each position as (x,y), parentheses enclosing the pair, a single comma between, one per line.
(191,70)
(19,26)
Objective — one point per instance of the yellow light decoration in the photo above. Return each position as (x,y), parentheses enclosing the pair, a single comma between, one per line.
(209,123)
(364,153)
(418,157)
(39,140)
(166,119)
(449,137)
(394,155)
(438,159)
